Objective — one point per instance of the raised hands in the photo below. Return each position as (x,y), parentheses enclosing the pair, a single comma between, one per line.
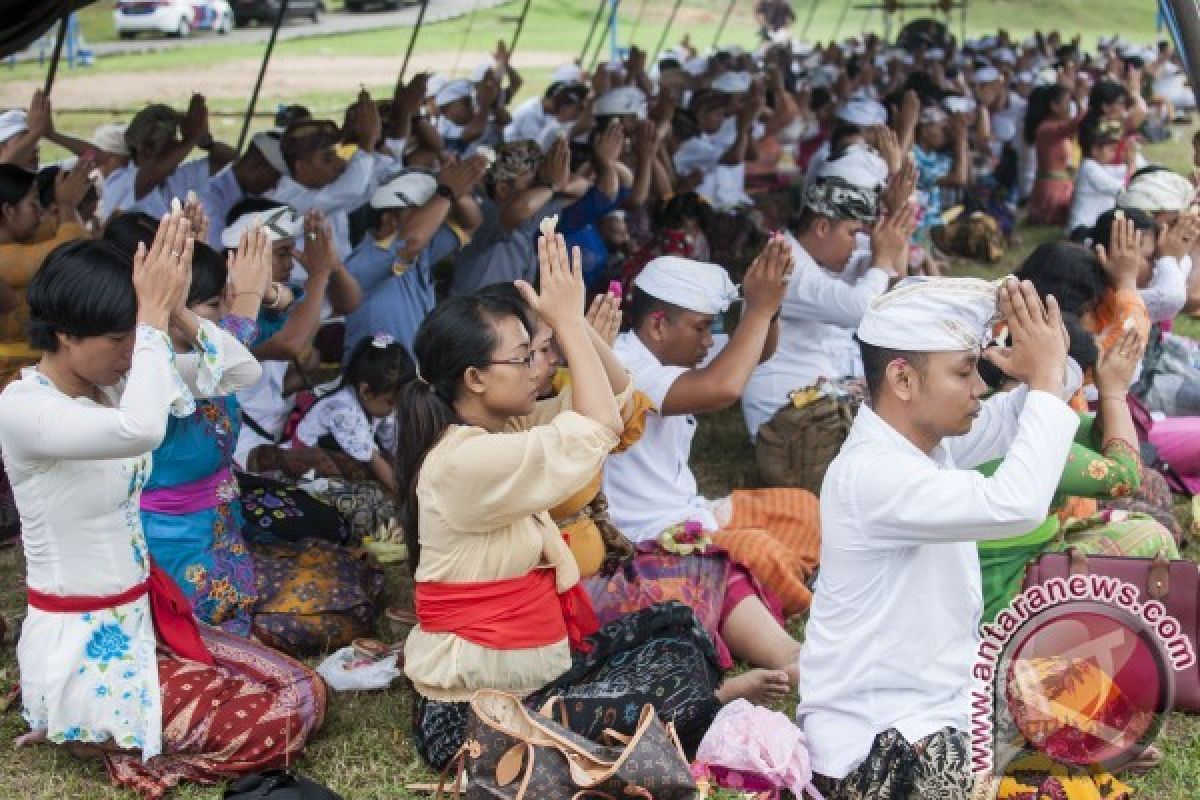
(368,127)
(1123,259)
(193,209)
(1038,355)
(1116,365)
(1177,240)
(604,315)
(900,188)
(560,298)
(319,256)
(71,186)
(40,117)
(194,126)
(607,148)
(162,273)
(766,280)
(885,141)
(890,240)
(555,168)
(250,264)
(460,177)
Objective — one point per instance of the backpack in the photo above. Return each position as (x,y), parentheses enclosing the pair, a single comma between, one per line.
(795,447)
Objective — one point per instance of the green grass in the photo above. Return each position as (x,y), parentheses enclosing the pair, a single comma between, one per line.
(364,750)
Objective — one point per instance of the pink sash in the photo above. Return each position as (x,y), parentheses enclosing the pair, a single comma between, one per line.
(187,498)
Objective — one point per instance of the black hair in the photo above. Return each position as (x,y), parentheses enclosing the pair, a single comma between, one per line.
(1102,230)
(84,288)
(1040,101)
(251,205)
(1089,135)
(210,273)
(1070,272)
(286,115)
(384,367)
(1102,94)
(45,184)
(841,132)
(875,363)
(128,229)
(642,305)
(457,335)
(1082,349)
(681,208)
(819,98)
(15,183)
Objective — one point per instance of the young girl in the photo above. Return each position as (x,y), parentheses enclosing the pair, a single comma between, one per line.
(1099,179)
(1050,128)
(358,417)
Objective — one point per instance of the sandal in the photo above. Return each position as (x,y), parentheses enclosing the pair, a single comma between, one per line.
(1149,758)
(376,650)
(401,617)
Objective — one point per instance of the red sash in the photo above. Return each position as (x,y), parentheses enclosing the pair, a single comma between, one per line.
(169,609)
(511,614)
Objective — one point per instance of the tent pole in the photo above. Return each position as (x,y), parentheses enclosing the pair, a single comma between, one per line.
(837,29)
(462,43)
(412,40)
(520,27)
(662,40)
(262,73)
(724,21)
(587,43)
(637,23)
(58,46)
(612,21)
(808,21)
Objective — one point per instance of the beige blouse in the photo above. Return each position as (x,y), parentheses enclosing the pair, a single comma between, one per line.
(483,516)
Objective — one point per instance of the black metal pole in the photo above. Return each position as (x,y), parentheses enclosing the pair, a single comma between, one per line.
(58,45)
(262,73)
(808,21)
(587,44)
(637,23)
(724,22)
(1188,22)
(662,40)
(512,47)
(841,20)
(412,40)
(612,16)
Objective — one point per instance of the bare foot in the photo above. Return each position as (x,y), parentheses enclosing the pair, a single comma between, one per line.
(33,737)
(763,687)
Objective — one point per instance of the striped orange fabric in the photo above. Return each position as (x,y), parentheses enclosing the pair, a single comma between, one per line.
(776,535)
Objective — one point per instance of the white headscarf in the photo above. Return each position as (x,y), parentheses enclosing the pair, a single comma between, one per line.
(859,166)
(693,285)
(1160,190)
(863,112)
(12,123)
(931,315)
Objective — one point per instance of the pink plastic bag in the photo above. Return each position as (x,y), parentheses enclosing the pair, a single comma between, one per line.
(752,741)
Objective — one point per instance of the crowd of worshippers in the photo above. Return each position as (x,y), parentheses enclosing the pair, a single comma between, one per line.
(483,331)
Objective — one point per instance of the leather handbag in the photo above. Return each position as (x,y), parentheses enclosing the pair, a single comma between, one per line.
(514,754)
(1174,583)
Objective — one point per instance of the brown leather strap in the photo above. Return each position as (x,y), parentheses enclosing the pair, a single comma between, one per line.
(1158,580)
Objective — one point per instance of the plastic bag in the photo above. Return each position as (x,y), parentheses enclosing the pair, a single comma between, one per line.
(345,671)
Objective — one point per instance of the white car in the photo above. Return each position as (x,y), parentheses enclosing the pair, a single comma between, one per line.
(172,17)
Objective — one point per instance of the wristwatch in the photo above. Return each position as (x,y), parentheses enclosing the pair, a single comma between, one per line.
(445,191)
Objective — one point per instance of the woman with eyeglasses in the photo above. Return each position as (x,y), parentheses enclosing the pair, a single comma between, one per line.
(498,600)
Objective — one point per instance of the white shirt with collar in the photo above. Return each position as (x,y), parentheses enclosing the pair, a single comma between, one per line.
(892,632)
(820,313)
(119,193)
(351,189)
(1166,295)
(650,486)
(530,122)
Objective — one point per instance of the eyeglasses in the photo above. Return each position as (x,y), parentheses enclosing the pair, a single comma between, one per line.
(526,362)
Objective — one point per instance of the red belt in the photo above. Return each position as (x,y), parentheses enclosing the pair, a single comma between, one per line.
(511,614)
(169,609)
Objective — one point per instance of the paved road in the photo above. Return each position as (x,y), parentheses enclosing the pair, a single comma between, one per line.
(340,22)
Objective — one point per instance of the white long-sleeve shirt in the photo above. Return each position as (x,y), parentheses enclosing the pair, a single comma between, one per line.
(1166,295)
(820,313)
(892,634)
(1096,189)
(349,191)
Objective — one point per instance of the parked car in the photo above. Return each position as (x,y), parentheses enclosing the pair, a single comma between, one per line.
(386,5)
(172,17)
(267,11)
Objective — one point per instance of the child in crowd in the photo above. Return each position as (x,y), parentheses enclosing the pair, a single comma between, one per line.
(1099,180)
(358,417)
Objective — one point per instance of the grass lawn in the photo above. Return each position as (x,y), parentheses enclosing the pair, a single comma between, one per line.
(364,750)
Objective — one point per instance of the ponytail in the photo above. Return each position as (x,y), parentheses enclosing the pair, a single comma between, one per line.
(457,335)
